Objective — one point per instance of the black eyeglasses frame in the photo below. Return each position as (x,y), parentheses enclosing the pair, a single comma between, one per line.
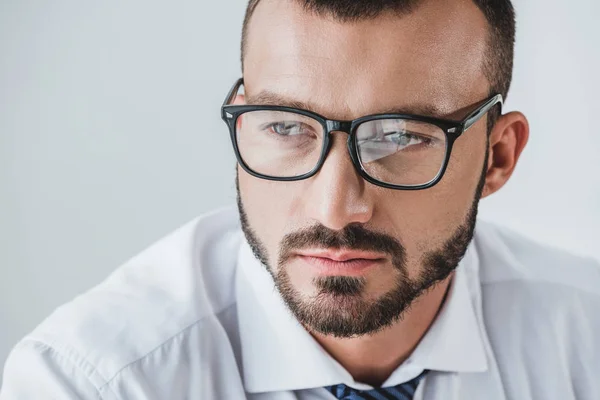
(452,129)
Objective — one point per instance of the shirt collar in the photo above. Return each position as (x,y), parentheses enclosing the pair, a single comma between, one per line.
(278,354)
(454,342)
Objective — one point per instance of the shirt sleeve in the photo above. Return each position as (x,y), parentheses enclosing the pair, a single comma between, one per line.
(35,370)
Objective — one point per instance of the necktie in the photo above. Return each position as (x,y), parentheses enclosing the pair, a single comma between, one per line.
(404,391)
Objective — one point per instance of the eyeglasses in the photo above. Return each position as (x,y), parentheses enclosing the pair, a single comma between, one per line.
(395,151)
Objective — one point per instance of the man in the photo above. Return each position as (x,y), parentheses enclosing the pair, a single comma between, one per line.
(366,136)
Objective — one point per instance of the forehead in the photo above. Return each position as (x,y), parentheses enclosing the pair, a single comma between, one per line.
(432,57)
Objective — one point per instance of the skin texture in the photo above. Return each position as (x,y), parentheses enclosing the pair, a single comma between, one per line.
(429,60)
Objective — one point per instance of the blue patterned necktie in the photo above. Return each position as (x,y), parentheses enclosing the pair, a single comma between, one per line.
(404,391)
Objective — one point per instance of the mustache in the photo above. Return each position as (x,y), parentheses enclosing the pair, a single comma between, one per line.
(353,236)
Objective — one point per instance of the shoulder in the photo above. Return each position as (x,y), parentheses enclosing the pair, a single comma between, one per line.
(508,257)
(179,287)
(537,299)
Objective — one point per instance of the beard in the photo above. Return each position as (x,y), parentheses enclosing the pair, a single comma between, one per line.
(340,308)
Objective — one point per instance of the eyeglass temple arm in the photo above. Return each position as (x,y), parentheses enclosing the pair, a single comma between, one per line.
(481,111)
(233,92)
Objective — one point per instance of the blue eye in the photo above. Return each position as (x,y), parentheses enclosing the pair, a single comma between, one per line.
(401,139)
(287,128)
(404,139)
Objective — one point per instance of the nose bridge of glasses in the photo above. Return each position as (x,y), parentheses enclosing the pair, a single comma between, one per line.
(341,126)
(345,127)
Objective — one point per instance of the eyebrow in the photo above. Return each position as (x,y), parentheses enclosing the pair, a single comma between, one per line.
(268,98)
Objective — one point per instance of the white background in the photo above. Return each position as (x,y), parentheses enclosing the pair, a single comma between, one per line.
(110,135)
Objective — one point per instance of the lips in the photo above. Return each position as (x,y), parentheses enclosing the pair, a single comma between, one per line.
(341,255)
(340,262)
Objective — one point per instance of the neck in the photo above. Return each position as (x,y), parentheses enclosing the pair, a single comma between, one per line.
(371,359)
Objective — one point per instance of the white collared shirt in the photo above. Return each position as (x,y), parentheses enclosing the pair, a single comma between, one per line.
(196,316)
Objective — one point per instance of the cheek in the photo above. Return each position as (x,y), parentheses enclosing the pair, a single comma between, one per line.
(466,163)
(269,206)
(426,219)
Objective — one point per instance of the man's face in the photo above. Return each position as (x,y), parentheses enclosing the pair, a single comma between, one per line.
(350,257)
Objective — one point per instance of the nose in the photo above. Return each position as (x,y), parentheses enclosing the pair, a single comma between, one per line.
(337,195)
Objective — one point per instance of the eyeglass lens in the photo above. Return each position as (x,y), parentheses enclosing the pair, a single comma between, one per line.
(395,151)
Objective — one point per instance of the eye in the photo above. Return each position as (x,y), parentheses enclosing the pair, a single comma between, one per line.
(405,139)
(402,139)
(288,128)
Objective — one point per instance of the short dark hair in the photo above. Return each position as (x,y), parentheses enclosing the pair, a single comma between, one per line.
(499,14)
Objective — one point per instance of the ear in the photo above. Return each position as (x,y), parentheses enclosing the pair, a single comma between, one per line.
(507,141)
(239,100)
